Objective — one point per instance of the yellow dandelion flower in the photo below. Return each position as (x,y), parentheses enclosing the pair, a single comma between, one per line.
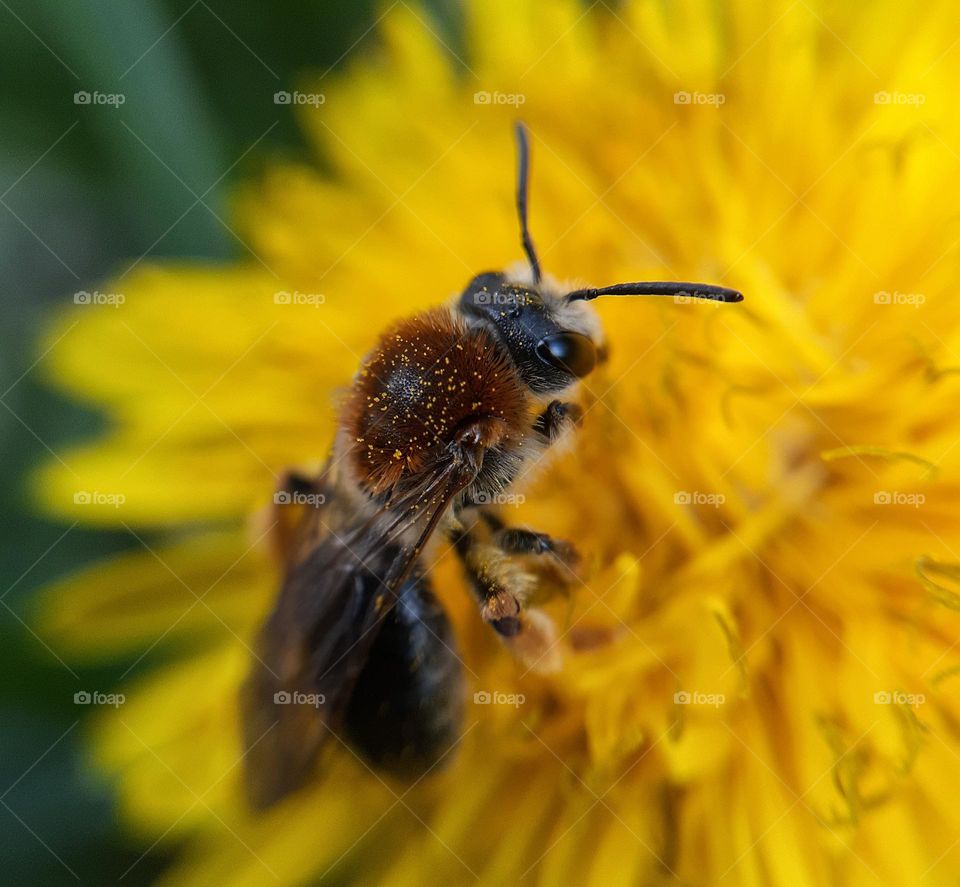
(758,681)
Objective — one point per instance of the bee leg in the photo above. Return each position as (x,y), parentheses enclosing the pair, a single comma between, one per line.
(501,586)
(293,489)
(557,418)
(514,540)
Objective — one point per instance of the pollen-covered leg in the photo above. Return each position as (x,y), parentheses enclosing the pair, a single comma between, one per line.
(502,587)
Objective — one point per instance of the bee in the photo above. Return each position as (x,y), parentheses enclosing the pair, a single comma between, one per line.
(446,414)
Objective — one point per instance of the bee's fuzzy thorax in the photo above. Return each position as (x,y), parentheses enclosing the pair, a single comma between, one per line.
(427,375)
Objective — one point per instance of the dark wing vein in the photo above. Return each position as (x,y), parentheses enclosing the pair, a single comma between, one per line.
(316,641)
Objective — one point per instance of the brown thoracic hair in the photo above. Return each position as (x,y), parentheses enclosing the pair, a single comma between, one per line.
(427,375)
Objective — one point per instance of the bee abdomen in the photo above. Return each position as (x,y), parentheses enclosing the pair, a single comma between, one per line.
(406,709)
(426,377)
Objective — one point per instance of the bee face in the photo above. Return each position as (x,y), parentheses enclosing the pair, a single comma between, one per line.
(552,342)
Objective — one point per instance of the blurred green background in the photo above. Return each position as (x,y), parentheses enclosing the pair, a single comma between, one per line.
(84,191)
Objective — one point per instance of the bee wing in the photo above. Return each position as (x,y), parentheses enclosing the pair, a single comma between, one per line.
(318,637)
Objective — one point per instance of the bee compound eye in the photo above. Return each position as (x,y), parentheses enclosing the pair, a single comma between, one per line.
(572,352)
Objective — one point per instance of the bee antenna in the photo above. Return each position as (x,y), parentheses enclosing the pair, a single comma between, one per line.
(657,288)
(523,176)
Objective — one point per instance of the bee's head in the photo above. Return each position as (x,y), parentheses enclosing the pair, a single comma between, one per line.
(552,342)
(553,337)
